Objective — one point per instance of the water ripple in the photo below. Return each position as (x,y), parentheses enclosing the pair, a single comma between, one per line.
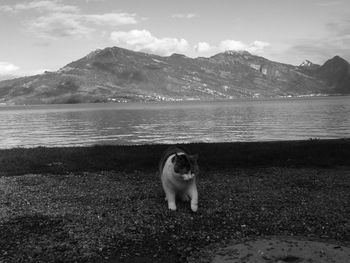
(78,125)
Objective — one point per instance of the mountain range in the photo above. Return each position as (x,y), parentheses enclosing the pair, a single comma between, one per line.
(119,75)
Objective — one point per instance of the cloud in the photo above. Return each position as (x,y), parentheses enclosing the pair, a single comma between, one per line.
(7,68)
(203,47)
(57,20)
(328,4)
(339,29)
(41,6)
(143,40)
(113,19)
(319,51)
(255,47)
(335,41)
(188,16)
(231,45)
(58,25)
(6,8)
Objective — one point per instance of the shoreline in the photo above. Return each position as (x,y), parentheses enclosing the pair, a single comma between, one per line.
(105,203)
(212,156)
(242,99)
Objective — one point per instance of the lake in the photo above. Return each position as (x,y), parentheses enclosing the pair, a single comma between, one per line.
(177,122)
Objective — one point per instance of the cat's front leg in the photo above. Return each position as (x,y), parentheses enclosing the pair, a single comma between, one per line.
(171,198)
(193,193)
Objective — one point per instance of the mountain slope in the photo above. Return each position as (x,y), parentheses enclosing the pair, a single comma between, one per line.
(336,74)
(116,74)
(6,77)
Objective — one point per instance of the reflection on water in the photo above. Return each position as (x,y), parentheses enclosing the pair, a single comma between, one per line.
(251,120)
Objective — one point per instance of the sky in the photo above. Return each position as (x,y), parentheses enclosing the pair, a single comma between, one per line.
(39,35)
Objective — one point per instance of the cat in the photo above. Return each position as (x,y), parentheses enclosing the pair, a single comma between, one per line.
(178,170)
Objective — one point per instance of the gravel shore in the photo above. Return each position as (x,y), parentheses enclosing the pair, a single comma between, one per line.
(119,215)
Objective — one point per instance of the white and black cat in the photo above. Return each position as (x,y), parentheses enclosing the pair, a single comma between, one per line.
(178,170)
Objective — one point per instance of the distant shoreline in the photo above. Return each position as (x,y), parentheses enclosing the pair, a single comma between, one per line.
(243,99)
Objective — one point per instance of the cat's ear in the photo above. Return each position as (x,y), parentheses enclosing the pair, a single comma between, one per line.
(174,159)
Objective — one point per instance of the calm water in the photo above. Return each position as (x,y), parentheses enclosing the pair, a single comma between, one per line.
(250,120)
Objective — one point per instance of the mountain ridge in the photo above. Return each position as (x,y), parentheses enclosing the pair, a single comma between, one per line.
(116,74)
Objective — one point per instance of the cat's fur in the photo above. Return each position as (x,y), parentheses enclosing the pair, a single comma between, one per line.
(178,170)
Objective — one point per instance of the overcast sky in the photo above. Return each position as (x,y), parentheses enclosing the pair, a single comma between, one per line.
(38,35)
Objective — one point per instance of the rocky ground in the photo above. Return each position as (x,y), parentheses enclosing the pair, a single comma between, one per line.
(118,216)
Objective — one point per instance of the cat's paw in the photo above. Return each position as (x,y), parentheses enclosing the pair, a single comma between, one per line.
(194,207)
(172,206)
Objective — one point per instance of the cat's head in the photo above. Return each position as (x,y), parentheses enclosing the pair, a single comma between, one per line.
(185,164)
